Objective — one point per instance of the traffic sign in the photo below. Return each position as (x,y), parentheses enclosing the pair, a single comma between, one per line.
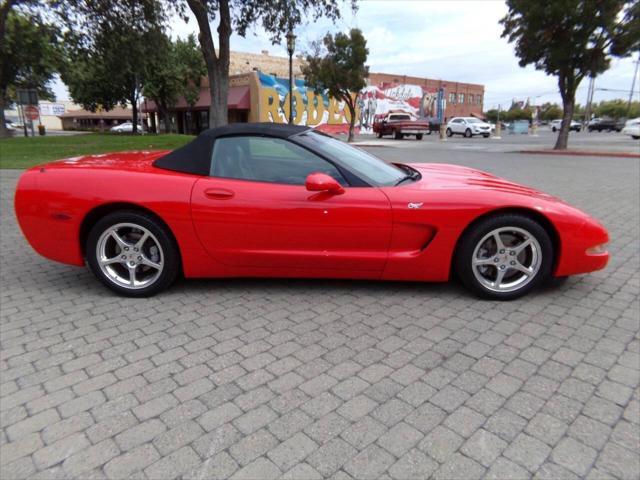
(31,112)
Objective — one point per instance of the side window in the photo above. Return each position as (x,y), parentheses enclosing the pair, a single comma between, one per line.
(265,159)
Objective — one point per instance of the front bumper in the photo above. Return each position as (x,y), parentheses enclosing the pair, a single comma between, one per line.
(583,250)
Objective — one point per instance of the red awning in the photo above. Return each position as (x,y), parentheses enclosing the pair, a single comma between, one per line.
(239,98)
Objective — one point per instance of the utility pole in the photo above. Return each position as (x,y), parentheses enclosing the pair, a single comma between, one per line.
(633,85)
(587,112)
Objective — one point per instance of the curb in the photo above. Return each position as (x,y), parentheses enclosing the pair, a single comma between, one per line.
(582,153)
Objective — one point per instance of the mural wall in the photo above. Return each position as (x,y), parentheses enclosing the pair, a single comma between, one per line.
(330,115)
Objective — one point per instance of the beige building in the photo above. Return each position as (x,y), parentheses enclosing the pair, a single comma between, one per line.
(259,92)
(98,121)
(49,113)
(243,62)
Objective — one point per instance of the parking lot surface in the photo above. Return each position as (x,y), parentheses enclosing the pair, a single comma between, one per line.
(309,379)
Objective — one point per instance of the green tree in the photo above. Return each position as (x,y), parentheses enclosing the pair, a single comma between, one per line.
(492,115)
(176,73)
(29,53)
(616,109)
(276,17)
(571,39)
(337,67)
(111,46)
(550,111)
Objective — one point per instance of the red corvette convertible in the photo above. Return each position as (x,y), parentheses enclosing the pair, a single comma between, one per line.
(265,200)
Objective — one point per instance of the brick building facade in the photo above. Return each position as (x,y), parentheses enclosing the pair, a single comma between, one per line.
(259,91)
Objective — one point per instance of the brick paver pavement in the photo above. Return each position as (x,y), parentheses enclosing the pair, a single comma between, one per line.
(311,379)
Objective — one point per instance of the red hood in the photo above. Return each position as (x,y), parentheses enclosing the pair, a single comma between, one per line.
(140,161)
(453,177)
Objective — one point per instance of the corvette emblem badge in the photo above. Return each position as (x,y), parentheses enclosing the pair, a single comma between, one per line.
(414,205)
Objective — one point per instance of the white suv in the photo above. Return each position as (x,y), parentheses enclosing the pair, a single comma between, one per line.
(468,126)
(556,124)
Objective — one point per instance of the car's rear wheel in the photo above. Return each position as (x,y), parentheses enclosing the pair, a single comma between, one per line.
(504,257)
(379,134)
(397,135)
(467,133)
(419,136)
(449,132)
(132,253)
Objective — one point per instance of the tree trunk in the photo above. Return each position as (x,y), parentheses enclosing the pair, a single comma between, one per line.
(164,111)
(3,129)
(134,113)
(567,85)
(217,65)
(350,102)
(4,14)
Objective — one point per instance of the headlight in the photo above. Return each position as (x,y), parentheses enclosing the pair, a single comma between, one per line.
(597,249)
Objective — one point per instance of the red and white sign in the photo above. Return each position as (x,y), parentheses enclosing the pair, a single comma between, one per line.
(31,112)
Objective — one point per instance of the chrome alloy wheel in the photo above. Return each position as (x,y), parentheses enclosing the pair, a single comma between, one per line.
(129,255)
(506,259)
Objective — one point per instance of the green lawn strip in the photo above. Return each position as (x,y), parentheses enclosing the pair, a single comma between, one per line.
(21,152)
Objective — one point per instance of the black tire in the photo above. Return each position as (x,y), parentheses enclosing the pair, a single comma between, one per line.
(379,134)
(467,133)
(486,135)
(554,129)
(473,235)
(168,248)
(556,282)
(419,136)
(397,135)
(635,137)
(449,132)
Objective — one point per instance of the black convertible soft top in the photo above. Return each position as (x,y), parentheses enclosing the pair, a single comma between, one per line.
(195,156)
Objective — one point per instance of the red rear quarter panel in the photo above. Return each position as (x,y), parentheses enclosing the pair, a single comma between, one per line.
(53,200)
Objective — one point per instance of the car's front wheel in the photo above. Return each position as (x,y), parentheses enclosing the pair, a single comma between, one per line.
(419,136)
(449,132)
(467,133)
(504,257)
(132,253)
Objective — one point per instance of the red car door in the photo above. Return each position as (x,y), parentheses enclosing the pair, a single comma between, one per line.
(254,211)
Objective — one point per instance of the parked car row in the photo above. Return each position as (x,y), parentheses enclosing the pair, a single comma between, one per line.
(605,124)
(401,124)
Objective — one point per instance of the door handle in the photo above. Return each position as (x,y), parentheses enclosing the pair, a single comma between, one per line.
(218,193)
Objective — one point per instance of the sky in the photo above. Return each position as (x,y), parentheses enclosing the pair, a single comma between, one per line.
(452,40)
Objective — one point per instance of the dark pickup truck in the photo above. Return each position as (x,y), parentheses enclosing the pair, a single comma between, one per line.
(400,125)
(607,124)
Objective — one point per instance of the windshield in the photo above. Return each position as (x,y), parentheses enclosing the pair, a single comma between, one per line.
(366,166)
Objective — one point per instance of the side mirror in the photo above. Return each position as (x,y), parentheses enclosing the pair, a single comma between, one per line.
(321,182)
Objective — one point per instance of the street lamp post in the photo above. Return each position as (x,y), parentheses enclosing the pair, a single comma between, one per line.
(291,47)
